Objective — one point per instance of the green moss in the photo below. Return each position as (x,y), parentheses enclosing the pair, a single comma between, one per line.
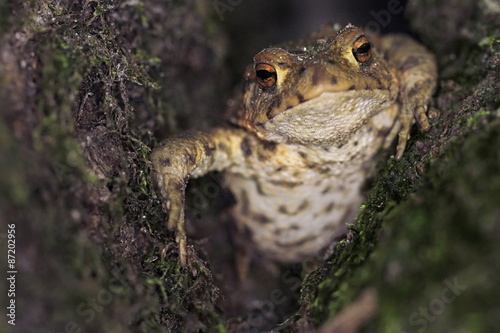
(90,142)
(490,42)
(15,183)
(455,225)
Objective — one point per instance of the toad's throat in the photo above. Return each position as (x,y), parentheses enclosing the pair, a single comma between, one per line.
(331,117)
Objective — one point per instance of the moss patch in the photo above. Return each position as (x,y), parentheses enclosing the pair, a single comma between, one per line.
(80,83)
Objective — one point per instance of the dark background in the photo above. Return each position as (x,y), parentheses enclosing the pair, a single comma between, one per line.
(253,25)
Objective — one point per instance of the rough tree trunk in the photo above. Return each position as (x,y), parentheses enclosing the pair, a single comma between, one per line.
(88,87)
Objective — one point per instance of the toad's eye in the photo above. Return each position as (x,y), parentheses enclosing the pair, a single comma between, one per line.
(266,75)
(362,50)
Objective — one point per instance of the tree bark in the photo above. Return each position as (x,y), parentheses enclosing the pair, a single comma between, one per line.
(88,88)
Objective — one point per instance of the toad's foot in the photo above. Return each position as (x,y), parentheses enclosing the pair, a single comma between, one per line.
(415,109)
(179,158)
(174,206)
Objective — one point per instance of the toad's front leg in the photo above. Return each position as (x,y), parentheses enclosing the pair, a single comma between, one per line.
(190,154)
(416,70)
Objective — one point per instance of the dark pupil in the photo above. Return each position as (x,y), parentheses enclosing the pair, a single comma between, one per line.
(263,74)
(363,48)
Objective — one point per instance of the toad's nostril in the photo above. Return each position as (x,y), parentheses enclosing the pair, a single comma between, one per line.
(319,75)
(333,79)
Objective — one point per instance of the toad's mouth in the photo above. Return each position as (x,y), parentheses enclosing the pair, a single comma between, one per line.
(329,117)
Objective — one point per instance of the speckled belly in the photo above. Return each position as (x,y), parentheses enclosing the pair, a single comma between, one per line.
(291,216)
(292,221)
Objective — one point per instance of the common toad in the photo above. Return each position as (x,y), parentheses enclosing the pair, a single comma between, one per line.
(304,133)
